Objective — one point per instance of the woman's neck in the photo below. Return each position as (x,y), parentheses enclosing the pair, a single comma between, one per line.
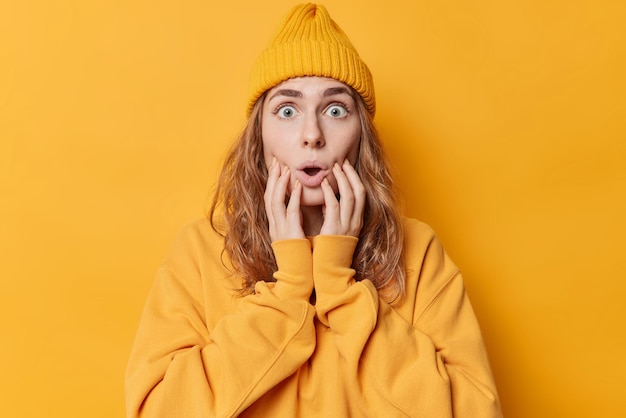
(312,220)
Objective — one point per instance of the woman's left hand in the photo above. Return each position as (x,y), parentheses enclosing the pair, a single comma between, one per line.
(343,216)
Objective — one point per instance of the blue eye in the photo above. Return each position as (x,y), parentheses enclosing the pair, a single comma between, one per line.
(286,112)
(336,111)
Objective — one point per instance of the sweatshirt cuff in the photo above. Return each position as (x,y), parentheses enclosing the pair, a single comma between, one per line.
(294,277)
(332,261)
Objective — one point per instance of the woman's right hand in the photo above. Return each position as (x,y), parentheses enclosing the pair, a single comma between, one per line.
(285,221)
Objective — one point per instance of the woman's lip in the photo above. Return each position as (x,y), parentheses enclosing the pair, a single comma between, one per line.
(311,180)
(312,164)
(314,180)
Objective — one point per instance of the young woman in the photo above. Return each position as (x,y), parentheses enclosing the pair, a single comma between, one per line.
(304,293)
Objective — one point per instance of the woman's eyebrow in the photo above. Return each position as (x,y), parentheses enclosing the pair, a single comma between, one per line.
(333,91)
(288,93)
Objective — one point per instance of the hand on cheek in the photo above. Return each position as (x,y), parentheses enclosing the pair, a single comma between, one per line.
(285,222)
(344,216)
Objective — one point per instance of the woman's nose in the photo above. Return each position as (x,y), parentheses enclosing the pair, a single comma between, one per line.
(312,135)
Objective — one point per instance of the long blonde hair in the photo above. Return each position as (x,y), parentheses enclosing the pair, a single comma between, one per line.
(378,256)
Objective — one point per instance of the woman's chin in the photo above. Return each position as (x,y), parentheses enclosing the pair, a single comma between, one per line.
(312,197)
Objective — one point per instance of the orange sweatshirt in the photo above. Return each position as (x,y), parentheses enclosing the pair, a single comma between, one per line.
(204,351)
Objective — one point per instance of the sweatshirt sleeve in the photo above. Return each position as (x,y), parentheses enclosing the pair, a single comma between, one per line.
(180,368)
(434,365)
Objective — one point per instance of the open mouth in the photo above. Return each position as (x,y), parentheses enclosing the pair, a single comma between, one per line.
(311,171)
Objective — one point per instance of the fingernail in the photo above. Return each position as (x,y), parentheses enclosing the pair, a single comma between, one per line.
(273,162)
(346,161)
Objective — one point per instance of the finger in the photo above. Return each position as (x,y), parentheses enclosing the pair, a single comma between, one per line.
(273,173)
(346,197)
(359,192)
(272,177)
(358,189)
(279,193)
(289,221)
(331,225)
(293,207)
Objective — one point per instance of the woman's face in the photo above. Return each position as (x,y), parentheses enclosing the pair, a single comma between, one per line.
(308,125)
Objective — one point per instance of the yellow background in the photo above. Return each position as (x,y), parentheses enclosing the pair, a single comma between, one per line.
(504,120)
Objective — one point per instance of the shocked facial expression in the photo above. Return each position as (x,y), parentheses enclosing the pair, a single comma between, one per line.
(308,125)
